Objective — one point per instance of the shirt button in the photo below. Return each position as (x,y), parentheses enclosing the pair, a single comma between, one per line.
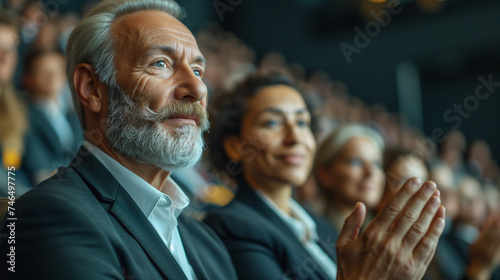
(162,201)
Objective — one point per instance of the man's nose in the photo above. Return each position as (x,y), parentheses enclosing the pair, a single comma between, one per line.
(189,86)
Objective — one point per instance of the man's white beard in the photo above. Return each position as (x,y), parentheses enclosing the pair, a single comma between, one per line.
(134,131)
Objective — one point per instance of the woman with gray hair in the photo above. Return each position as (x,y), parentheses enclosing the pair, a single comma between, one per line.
(348,170)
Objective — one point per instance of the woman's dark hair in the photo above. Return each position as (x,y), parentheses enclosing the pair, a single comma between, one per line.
(228,109)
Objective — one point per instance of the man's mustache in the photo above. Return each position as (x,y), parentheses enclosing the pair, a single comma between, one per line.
(180,107)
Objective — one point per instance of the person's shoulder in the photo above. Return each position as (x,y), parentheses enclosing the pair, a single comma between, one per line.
(237,220)
(233,213)
(64,187)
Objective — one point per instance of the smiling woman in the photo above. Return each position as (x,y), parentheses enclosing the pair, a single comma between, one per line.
(264,125)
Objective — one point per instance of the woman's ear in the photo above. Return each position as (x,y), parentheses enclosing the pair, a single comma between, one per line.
(231,146)
(88,88)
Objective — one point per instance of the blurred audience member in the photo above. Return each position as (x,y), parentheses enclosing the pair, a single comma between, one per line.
(452,152)
(442,175)
(472,211)
(492,195)
(14,5)
(476,236)
(13,122)
(448,263)
(400,164)
(349,170)
(9,41)
(54,133)
(273,62)
(479,158)
(47,36)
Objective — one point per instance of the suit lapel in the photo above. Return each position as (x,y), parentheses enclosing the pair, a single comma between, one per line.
(248,196)
(127,212)
(191,250)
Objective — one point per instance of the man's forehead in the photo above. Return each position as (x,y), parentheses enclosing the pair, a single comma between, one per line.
(151,26)
(151,20)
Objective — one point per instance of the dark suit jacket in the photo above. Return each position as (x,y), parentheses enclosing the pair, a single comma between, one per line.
(81,224)
(43,148)
(261,245)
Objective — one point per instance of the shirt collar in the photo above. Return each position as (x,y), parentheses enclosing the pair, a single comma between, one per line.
(299,221)
(144,194)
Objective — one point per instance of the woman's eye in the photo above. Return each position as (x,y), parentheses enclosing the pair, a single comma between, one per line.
(303,123)
(197,73)
(355,162)
(160,64)
(271,123)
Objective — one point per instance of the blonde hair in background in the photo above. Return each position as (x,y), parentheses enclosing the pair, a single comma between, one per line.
(333,142)
(13,126)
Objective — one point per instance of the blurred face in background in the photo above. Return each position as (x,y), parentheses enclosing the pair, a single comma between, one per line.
(443,177)
(397,173)
(402,169)
(472,202)
(46,76)
(276,145)
(8,52)
(355,174)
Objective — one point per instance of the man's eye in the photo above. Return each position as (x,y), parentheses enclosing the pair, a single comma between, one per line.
(197,73)
(160,64)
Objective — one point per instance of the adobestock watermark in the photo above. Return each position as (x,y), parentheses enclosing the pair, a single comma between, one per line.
(372,29)
(470,104)
(221,7)
(454,116)
(49,9)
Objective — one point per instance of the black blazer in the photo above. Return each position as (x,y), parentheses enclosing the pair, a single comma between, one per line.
(261,245)
(81,224)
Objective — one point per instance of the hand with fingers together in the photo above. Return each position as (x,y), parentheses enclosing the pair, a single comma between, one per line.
(399,243)
(485,252)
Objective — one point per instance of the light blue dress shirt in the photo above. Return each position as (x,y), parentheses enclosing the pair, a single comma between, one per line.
(162,208)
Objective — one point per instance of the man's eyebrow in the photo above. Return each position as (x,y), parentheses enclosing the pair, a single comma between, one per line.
(161,48)
(200,59)
(171,50)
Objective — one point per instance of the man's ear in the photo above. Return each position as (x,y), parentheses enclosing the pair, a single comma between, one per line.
(231,146)
(88,88)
